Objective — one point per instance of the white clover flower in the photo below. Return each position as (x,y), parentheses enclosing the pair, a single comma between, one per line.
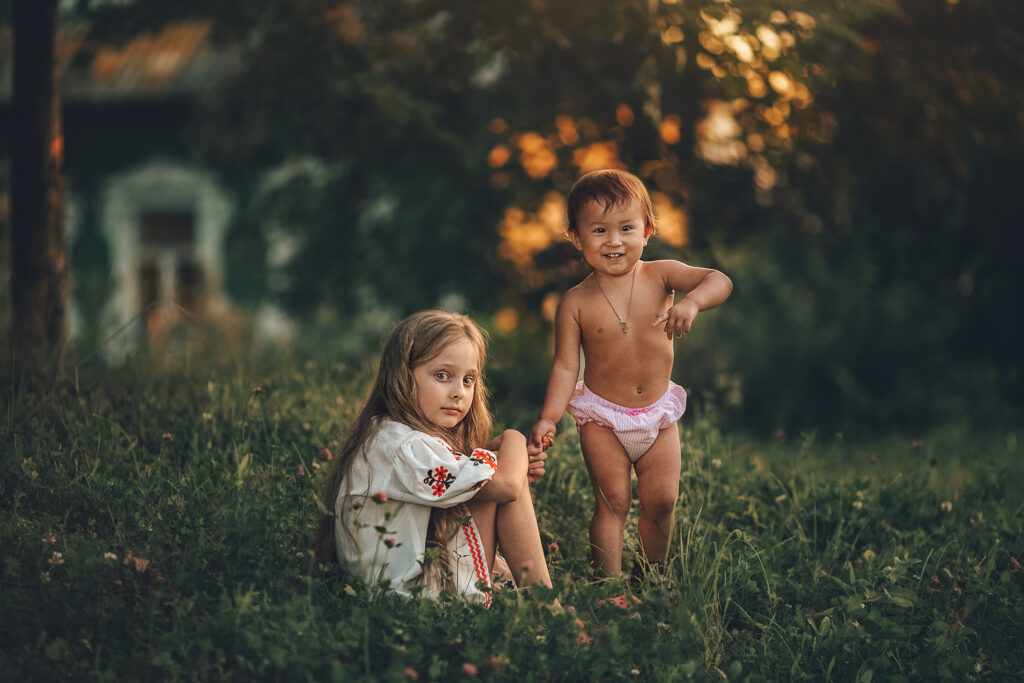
(947,506)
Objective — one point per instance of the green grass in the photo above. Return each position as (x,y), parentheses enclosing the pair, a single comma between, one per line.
(156,524)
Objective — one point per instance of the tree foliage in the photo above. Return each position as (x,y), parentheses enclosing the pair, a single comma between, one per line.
(852,166)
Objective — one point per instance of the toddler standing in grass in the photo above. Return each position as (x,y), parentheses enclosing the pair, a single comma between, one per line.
(624,318)
(420,495)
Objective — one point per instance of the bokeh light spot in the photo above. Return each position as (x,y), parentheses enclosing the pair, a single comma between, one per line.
(567,133)
(499,156)
(670,129)
(624,115)
(524,234)
(536,155)
(506,320)
(673,222)
(549,306)
(597,156)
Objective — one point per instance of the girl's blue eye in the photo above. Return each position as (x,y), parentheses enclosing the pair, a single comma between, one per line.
(469,381)
(443,376)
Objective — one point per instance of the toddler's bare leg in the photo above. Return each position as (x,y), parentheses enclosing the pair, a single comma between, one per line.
(608,466)
(513,527)
(657,474)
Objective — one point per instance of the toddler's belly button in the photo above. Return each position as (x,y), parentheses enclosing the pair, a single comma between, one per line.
(639,390)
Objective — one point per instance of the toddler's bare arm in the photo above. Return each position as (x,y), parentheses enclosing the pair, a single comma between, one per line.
(705,288)
(564,373)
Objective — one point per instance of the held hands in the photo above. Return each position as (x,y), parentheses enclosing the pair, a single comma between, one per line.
(541,437)
(677,319)
(535,455)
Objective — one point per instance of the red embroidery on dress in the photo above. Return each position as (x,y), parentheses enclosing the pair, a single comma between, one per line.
(475,552)
(439,479)
(485,457)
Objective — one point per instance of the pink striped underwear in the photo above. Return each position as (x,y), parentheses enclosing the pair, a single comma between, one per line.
(636,428)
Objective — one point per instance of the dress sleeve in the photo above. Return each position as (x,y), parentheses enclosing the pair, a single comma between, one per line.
(429,473)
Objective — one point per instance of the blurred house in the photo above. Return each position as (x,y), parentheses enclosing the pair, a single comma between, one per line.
(147,224)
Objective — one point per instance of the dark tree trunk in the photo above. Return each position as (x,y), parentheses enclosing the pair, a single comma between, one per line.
(39,262)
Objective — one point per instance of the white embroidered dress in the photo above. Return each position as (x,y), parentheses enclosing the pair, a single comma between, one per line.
(417,472)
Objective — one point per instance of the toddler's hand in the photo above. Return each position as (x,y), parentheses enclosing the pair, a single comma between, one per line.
(678,319)
(542,435)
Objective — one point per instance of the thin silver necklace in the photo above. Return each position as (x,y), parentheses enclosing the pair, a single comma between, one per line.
(622,321)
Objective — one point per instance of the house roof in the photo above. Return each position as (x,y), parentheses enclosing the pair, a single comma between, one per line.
(180,60)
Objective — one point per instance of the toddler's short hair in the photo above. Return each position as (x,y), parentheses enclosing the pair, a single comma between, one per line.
(610,187)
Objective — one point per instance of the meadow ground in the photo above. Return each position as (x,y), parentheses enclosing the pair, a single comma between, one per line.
(156,524)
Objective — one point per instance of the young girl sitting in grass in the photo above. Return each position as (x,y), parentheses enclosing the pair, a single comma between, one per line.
(421,496)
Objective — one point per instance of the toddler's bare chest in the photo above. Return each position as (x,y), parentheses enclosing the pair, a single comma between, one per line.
(610,320)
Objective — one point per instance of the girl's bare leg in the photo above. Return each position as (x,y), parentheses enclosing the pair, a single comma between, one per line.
(513,527)
(657,474)
(608,466)
(519,539)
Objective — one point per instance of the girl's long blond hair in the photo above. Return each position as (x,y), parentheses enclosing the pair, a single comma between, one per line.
(412,342)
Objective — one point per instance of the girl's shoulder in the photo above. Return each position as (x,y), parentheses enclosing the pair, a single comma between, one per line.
(396,432)
(392,434)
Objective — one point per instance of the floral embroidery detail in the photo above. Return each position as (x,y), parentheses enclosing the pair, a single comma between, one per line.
(484,457)
(439,479)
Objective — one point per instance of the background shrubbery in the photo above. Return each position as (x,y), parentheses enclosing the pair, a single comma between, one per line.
(855,168)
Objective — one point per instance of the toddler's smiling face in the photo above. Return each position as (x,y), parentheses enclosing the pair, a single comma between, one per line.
(612,239)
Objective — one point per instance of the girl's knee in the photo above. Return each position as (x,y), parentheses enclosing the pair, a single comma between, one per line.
(522,495)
